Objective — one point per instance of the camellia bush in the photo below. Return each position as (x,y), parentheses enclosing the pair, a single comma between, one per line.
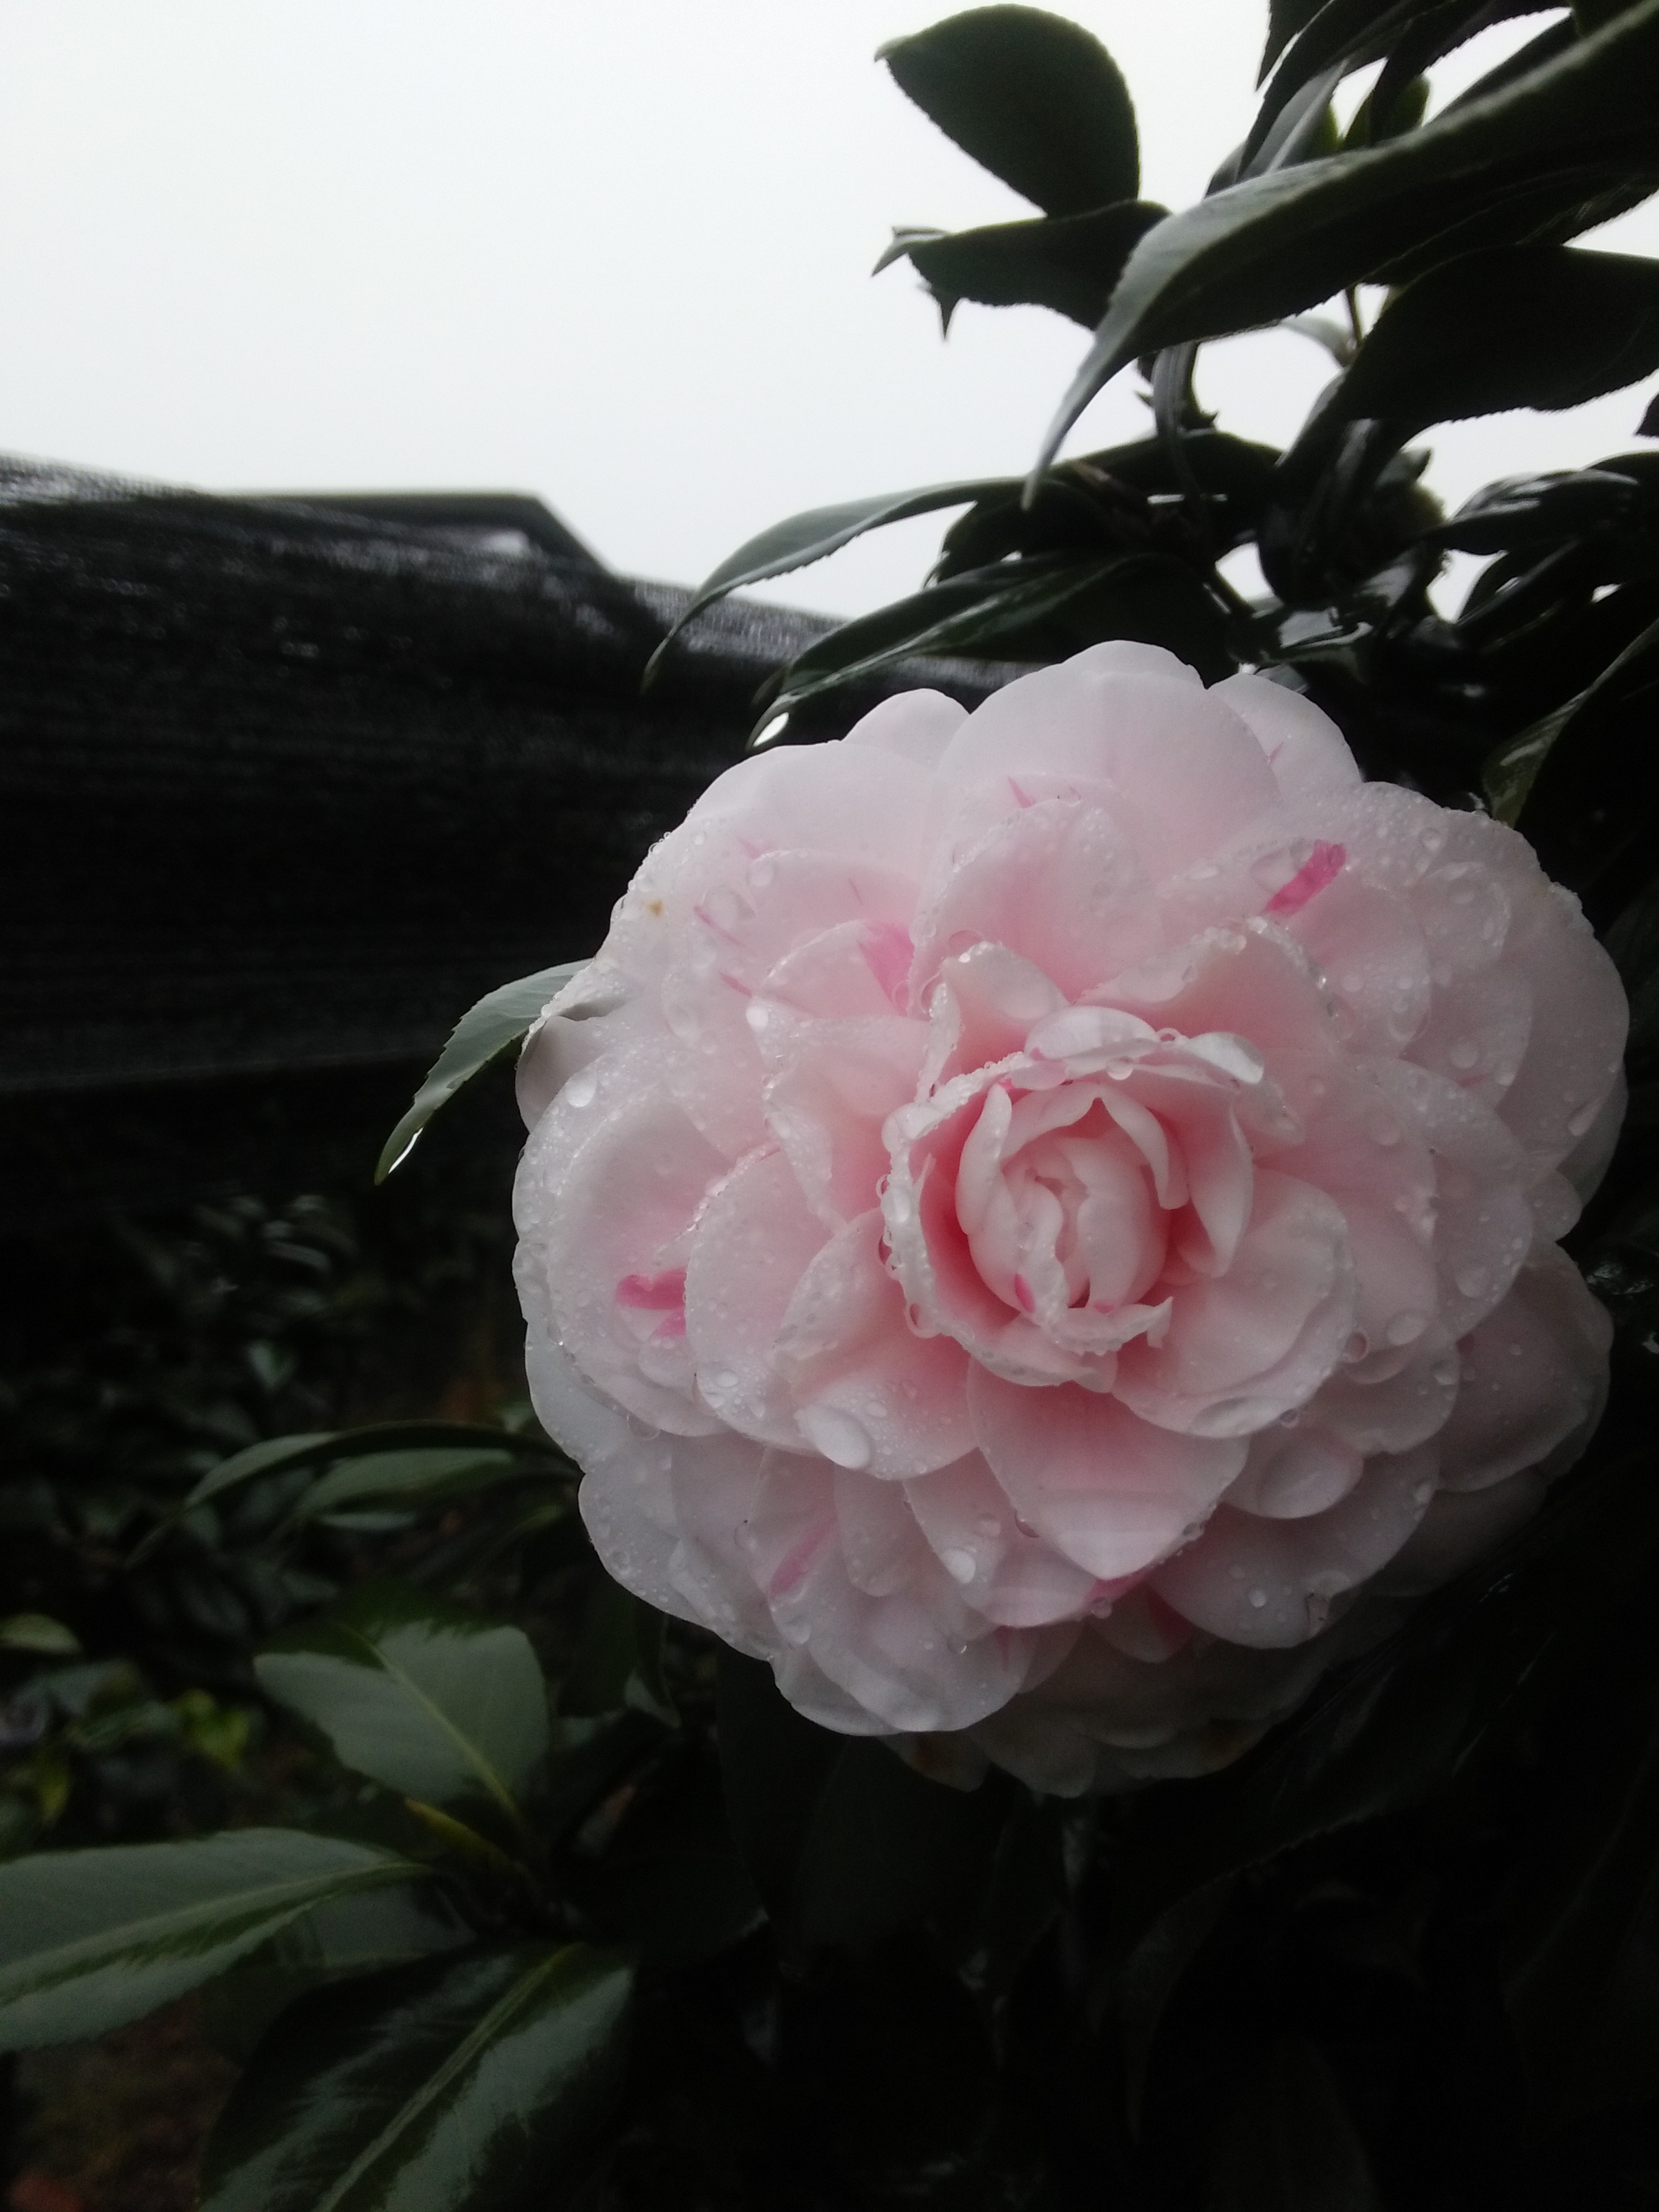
(1079,1627)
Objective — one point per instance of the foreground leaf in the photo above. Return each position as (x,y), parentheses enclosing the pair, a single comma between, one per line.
(1573,128)
(1543,326)
(1038,609)
(800,539)
(423,1697)
(1069,263)
(500,1019)
(448,2088)
(91,1939)
(1034,98)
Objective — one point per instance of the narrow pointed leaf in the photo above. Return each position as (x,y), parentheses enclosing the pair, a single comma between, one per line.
(1563,138)
(423,1475)
(1035,610)
(800,539)
(451,2086)
(1069,263)
(500,1019)
(1035,99)
(423,1697)
(91,1939)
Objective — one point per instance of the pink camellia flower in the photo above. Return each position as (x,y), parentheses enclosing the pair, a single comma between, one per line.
(1041,1224)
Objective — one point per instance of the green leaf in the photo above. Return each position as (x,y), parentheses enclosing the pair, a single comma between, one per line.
(1533,151)
(446,2087)
(801,539)
(1070,263)
(1039,609)
(500,1019)
(1542,327)
(1581,1986)
(671,1884)
(90,1939)
(1035,99)
(1288,2144)
(420,1696)
(428,1474)
(37,1632)
(619,1661)
(1349,34)
(847,1844)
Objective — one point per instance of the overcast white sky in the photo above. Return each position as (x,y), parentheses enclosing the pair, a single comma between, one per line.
(613,251)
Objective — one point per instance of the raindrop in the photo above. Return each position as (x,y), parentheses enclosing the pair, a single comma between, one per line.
(836,1434)
(1405,1328)
(1356,1346)
(1258,1599)
(960,1566)
(582,1087)
(1578,1124)
(1473,1281)
(757,1016)
(1464,1053)
(989,1525)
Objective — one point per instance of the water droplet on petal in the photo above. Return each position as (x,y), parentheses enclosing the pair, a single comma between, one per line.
(1405,1328)
(1356,1346)
(1578,1124)
(836,1434)
(961,1566)
(1258,1598)
(1472,1281)
(582,1087)
(1464,1053)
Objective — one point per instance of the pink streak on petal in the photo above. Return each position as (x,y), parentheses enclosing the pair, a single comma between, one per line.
(796,1563)
(1023,1292)
(888,954)
(663,1293)
(1323,866)
(671,1325)
(1022,797)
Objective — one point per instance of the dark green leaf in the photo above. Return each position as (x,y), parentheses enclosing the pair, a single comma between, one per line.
(1576,127)
(37,1632)
(619,1661)
(428,1699)
(1034,98)
(1289,2143)
(846,1843)
(1039,609)
(1346,35)
(801,539)
(1069,263)
(90,1939)
(1542,327)
(446,2087)
(1561,780)
(1584,1981)
(671,1884)
(424,1473)
(500,1019)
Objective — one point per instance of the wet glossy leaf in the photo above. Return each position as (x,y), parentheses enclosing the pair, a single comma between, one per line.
(1032,97)
(1068,263)
(1576,127)
(1042,608)
(800,539)
(1539,326)
(345,1448)
(453,2085)
(499,1020)
(417,1694)
(90,1939)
